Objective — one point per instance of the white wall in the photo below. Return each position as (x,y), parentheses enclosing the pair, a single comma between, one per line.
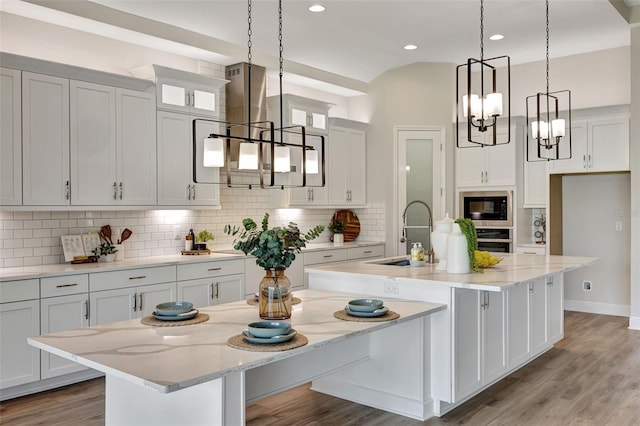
(592,205)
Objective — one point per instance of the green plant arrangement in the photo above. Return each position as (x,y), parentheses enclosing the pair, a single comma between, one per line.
(469,230)
(275,249)
(204,236)
(337,226)
(104,249)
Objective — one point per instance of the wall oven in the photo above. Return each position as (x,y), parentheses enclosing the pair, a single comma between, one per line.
(487,208)
(498,240)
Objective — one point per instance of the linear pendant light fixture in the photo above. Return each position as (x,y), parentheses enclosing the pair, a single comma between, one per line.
(258,141)
(549,124)
(479,102)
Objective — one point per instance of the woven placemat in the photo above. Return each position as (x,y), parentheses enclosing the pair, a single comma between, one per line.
(150,320)
(252,301)
(343,315)
(238,342)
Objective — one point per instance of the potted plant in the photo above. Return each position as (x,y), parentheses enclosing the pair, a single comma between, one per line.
(106,250)
(275,249)
(205,237)
(337,226)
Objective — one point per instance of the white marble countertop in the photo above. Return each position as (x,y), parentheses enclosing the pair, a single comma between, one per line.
(514,269)
(168,359)
(40,271)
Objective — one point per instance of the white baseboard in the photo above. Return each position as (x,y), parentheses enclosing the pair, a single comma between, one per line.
(634,323)
(597,308)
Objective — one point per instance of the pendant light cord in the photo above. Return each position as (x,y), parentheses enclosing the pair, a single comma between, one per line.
(281,49)
(481,30)
(547,58)
(249,58)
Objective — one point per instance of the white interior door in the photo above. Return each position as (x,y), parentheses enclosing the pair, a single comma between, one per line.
(420,171)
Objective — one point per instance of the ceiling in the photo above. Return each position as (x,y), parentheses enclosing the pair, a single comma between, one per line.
(351,42)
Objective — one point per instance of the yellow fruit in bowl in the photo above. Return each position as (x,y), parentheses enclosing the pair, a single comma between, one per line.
(484,259)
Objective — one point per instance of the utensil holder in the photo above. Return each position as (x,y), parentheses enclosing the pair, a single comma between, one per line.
(120,252)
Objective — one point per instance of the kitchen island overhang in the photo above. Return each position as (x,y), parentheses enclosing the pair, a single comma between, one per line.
(495,322)
(188,374)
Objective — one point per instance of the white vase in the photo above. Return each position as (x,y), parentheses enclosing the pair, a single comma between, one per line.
(439,238)
(338,239)
(107,258)
(457,255)
(120,252)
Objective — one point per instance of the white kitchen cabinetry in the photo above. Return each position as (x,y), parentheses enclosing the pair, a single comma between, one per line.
(19,319)
(300,111)
(253,274)
(555,308)
(314,194)
(45,140)
(347,164)
(10,137)
(320,257)
(536,185)
(64,305)
(597,145)
(113,146)
(176,186)
(480,340)
(487,166)
(211,283)
(132,293)
(187,92)
(539,249)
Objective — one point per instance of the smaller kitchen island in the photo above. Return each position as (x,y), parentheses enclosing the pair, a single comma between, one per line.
(495,323)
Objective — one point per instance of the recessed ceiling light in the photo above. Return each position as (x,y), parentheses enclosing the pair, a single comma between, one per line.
(410,47)
(496,37)
(317,8)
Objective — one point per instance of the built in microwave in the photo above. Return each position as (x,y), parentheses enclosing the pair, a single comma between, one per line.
(487,208)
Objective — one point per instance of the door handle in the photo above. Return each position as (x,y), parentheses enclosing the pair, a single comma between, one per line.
(86,309)
(121,190)
(135,302)
(140,307)
(66,285)
(590,164)
(188,192)
(217,290)
(584,161)
(115,191)
(194,192)
(68,191)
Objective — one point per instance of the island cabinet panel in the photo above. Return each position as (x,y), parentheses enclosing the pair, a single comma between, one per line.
(555,308)
(480,340)
(518,334)
(537,291)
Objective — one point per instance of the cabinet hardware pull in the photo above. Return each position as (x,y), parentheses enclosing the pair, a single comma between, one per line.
(188,192)
(121,190)
(326,256)
(486,306)
(86,306)
(135,302)
(590,164)
(140,307)
(212,292)
(217,291)
(68,191)
(66,285)
(584,161)
(214,269)
(549,280)
(139,277)
(528,252)
(194,192)
(115,191)
(188,101)
(481,177)
(368,251)
(486,176)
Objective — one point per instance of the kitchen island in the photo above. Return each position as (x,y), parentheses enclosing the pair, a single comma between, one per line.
(189,375)
(495,322)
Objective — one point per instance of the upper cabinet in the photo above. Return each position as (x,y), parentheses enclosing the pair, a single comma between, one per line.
(347,163)
(489,165)
(45,140)
(597,145)
(10,137)
(300,111)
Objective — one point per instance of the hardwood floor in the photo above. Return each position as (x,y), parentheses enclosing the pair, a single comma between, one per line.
(591,377)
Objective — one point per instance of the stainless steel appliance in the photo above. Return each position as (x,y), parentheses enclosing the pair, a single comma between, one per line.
(497,240)
(487,208)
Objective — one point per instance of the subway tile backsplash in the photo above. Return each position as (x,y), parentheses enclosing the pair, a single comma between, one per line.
(33,238)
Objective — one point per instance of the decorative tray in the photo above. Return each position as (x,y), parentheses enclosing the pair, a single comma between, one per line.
(195,252)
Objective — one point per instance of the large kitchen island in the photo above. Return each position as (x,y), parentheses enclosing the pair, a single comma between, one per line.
(455,335)
(495,322)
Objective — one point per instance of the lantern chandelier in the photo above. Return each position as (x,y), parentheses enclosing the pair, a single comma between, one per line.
(482,103)
(549,125)
(263,148)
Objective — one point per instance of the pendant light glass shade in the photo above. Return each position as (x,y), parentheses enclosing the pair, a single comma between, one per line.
(311,162)
(282,159)
(213,152)
(248,158)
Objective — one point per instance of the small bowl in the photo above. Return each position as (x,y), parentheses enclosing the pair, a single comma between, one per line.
(173,308)
(267,329)
(200,246)
(365,305)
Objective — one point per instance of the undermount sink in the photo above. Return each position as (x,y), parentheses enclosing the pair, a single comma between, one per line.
(403,261)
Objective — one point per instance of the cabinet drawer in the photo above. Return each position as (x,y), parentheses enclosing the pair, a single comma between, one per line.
(210,269)
(131,278)
(326,256)
(365,252)
(14,291)
(64,285)
(531,250)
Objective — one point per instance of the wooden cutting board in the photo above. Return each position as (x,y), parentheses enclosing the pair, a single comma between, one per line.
(352,224)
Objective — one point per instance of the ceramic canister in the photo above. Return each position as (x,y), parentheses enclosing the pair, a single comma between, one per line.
(457,255)
(439,240)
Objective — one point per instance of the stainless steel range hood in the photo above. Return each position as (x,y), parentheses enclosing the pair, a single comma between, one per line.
(241,109)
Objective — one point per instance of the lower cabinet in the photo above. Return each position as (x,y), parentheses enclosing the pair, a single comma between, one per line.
(128,303)
(480,340)
(212,291)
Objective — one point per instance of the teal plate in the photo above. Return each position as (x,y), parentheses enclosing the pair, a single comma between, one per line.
(267,341)
(179,317)
(377,313)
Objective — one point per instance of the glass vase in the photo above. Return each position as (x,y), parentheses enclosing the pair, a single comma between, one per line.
(275,295)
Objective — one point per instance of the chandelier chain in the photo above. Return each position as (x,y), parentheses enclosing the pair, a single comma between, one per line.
(280,34)
(249,30)
(481,30)
(547,57)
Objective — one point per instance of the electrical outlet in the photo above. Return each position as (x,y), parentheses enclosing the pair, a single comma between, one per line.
(587,285)
(618,226)
(176,230)
(391,287)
